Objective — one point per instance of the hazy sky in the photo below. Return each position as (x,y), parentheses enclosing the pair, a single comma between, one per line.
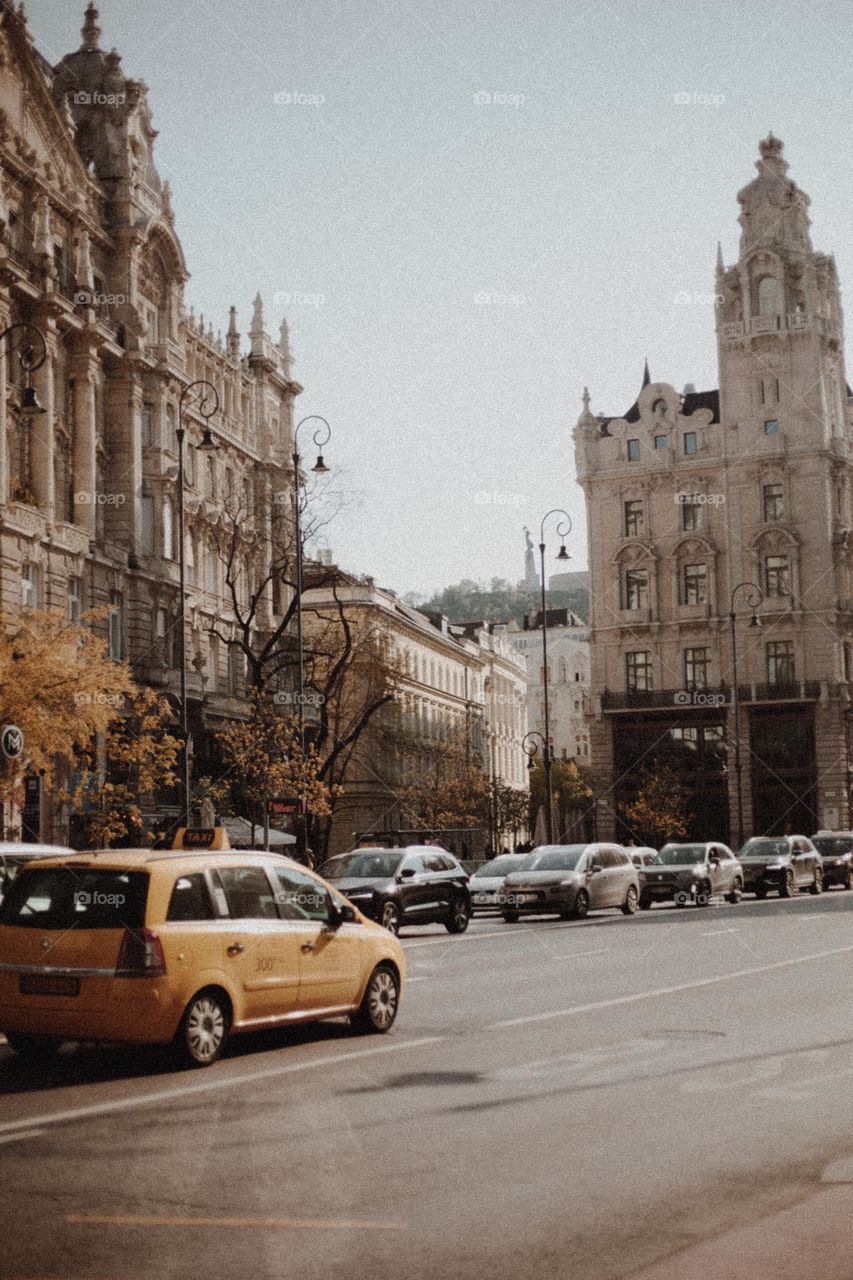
(475,208)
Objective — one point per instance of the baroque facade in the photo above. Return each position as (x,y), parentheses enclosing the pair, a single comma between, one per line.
(451,682)
(689,495)
(88,490)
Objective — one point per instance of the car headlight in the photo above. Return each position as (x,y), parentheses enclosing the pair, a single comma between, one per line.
(568,882)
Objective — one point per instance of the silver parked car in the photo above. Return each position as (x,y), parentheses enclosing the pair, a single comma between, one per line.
(486,885)
(570,880)
(691,873)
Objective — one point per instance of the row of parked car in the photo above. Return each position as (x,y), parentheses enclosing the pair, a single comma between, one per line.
(572,880)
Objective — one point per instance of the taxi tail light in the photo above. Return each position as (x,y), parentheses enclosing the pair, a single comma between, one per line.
(140,955)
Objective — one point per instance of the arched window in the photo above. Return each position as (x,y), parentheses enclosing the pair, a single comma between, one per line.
(168,530)
(769,297)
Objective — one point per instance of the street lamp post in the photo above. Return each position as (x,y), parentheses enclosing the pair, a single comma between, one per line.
(207,407)
(31,360)
(754,597)
(564,528)
(321,437)
(531,744)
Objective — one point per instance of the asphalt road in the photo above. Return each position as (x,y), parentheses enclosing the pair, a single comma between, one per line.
(602,1099)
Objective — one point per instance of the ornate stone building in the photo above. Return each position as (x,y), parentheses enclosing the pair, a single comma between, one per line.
(88,498)
(691,494)
(568,680)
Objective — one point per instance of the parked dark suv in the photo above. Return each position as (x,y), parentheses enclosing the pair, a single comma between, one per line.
(836,850)
(785,864)
(415,885)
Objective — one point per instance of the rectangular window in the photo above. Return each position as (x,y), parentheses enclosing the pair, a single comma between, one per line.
(147,425)
(634,518)
(637,589)
(771,427)
(633,451)
(691,512)
(697,663)
(776,576)
(146,539)
(780,662)
(116,626)
(774,502)
(639,671)
(74,600)
(248,893)
(690,442)
(695,584)
(210,570)
(29,586)
(661,442)
(190,899)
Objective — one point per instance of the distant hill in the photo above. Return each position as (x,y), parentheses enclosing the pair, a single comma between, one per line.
(500,601)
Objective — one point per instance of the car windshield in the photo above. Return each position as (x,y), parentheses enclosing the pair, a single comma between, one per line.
(681,855)
(369,864)
(832,846)
(762,847)
(85,898)
(556,858)
(501,866)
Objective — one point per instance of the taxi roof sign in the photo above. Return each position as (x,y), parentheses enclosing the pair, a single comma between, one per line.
(201,838)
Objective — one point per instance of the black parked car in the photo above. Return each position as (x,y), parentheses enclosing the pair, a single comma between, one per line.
(419,884)
(836,850)
(785,864)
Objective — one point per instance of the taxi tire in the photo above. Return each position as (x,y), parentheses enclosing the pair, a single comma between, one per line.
(215,999)
(33,1049)
(368,1019)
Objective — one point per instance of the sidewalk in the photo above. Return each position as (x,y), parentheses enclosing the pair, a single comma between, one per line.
(812,1240)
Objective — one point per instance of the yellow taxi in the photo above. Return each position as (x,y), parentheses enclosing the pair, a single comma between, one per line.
(152,947)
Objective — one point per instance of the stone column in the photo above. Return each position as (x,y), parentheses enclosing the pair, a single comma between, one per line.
(83,368)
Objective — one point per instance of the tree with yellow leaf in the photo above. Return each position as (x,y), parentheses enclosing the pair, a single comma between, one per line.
(658,812)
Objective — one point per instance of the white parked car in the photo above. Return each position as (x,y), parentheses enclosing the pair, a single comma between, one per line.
(486,884)
(14,855)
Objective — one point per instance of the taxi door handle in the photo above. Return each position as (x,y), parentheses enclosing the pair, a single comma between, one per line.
(236,948)
(309,946)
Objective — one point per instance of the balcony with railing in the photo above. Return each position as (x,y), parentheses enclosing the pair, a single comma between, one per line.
(793,322)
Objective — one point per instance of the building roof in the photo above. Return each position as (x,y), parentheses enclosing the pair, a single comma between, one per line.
(691,401)
(553,618)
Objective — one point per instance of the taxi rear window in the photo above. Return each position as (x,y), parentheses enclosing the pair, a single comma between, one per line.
(83,898)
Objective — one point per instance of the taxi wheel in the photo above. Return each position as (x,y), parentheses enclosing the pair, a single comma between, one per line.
(378,1009)
(33,1048)
(204,1028)
(460,915)
(389,917)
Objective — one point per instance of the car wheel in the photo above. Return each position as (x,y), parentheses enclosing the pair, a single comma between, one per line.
(847,879)
(460,915)
(378,1009)
(817,884)
(510,917)
(761,891)
(645,902)
(203,1033)
(389,917)
(737,891)
(33,1048)
(629,906)
(580,908)
(703,894)
(788,887)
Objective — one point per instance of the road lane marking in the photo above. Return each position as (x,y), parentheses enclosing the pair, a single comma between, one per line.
(25,1133)
(467,937)
(275,1224)
(229,1082)
(667,991)
(715,933)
